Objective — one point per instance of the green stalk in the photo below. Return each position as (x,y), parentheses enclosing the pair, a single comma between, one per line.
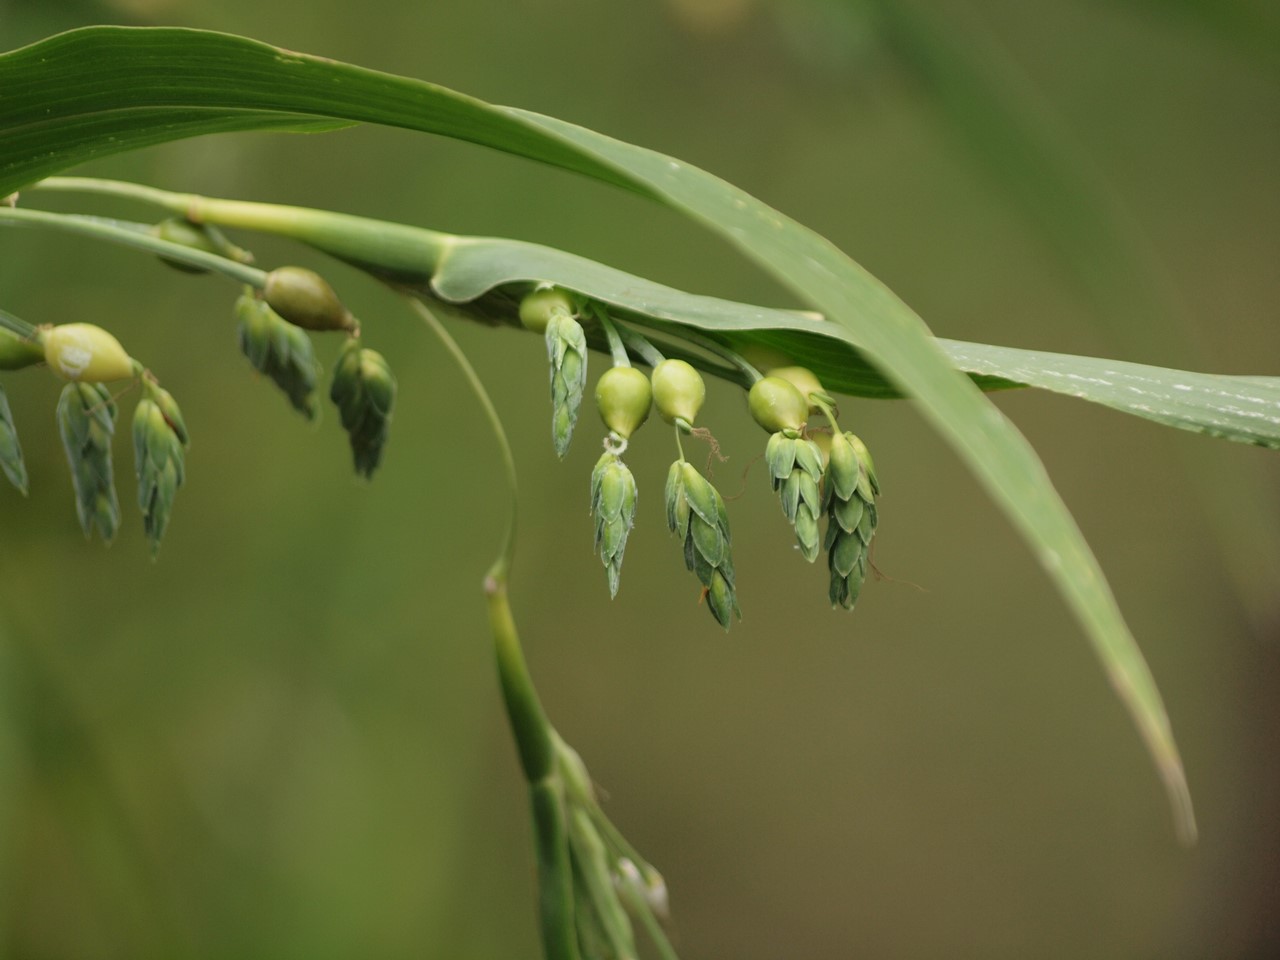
(133,235)
(753,375)
(17,325)
(535,738)
(406,255)
(639,344)
(616,347)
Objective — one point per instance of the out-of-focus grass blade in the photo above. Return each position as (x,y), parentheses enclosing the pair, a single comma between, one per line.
(101,90)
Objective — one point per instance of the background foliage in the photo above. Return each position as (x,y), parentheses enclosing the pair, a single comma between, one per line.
(284,739)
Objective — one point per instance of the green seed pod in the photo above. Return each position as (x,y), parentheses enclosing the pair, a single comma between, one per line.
(567,356)
(364,390)
(11,461)
(17,352)
(803,379)
(678,391)
(305,299)
(623,397)
(85,353)
(538,307)
(86,422)
(159,439)
(850,492)
(280,351)
(613,504)
(696,513)
(777,405)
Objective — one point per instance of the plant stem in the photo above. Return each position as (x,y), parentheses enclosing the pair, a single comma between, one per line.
(639,344)
(133,235)
(727,353)
(616,347)
(17,325)
(391,251)
(535,738)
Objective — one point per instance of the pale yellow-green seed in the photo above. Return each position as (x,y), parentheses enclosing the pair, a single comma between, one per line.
(623,397)
(538,307)
(777,405)
(85,353)
(678,391)
(803,379)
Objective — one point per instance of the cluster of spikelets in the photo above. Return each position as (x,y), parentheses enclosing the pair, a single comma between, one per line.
(817,474)
(272,329)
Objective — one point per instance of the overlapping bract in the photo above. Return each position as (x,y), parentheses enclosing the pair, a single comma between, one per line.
(567,353)
(364,390)
(612,883)
(613,505)
(850,494)
(15,468)
(795,470)
(159,444)
(86,421)
(281,351)
(696,513)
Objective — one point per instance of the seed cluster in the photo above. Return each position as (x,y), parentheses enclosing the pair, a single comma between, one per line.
(833,478)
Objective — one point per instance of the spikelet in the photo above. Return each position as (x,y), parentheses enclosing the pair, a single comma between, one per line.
(87,421)
(851,491)
(697,515)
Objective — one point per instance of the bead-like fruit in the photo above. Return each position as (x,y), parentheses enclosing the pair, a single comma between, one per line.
(85,353)
(623,397)
(803,379)
(777,405)
(538,307)
(306,300)
(678,391)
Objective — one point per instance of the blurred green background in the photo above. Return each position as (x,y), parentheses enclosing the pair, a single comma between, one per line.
(284,738)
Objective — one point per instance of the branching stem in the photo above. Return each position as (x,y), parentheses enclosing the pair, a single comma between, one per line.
(134,235)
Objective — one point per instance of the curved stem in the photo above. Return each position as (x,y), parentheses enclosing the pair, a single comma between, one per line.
(535,738)
(720,350)
(168,200)
(639,344)
(387,250)
(616,347)
(134,235)
(500,567)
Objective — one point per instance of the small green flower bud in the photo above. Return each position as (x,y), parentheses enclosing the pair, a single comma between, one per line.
(623,397)
(187,234)
(17,352)
(538,307)
(777,405)
(803,379)
(279,350)
(85,353)
(613,504)
(678,391)
(364,390)
(306,300)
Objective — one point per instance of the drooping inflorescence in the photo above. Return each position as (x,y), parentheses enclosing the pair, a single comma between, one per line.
(364,390)
(552,313)
(87,422)
(851,494)
(279,350)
